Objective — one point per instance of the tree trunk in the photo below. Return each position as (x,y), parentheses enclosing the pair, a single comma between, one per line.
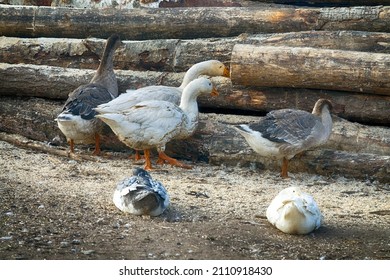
(57,82)
(329,3)
(315,68)
(353,150)
(184,23)
(364,108)
(30,80)
(175,55)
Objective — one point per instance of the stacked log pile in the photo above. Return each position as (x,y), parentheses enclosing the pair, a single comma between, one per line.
(280,57)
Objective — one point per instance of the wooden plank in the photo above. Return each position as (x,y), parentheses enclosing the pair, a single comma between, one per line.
(315,68)
(173,55)
(57,82)
(184,23)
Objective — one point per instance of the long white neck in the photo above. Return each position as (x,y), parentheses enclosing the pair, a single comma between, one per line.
(189,106)
(194,72)
(326,120)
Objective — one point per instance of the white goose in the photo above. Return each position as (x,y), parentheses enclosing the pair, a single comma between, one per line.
(141,195)
(166,93)
(76,121)
(154,123)
(287,132)
(294,212)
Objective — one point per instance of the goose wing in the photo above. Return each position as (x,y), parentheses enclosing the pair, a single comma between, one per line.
(132,97)
(287,126)
(84,99)
(150,122)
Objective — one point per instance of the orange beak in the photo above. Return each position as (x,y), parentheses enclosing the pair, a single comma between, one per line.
(226,72)
(214,92)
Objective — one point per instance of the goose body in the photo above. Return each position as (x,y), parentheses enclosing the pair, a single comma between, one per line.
(152,124)
(76,121)
(141,195)
(287,132)
(166,93)
(294,212)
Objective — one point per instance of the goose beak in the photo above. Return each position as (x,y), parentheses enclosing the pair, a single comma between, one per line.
(214,92)
(226,72)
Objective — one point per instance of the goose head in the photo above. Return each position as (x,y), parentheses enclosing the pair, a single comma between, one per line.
(197,87)
(210,68)
(321,105)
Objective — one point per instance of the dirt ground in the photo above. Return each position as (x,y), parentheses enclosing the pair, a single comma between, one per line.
(57,208)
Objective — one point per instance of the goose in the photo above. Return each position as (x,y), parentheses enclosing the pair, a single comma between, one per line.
(287,132)
(167,93)
(154,123)
(141,195)
(77,119)
(293,211)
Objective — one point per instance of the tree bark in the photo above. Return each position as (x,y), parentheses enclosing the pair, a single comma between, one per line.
(315,68)
(363,108)
(353,150)
(57,83)
(328,3)
(184,23)
(175,55)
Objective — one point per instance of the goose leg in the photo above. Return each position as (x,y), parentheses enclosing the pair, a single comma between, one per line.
(148,164)
(71,144)
(97,144)
(162,157)
(137,156)
(284,168)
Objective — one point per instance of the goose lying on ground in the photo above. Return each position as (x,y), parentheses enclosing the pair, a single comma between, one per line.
(287,132)
(141,195)
(294,212)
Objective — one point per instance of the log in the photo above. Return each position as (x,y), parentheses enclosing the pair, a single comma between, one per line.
(353,150)
(315,68)
(23,142)
(175,55)
(329,3)
(184,23)
(30,80)
(58,82)
(363,108)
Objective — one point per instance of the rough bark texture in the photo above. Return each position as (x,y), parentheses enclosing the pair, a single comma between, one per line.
(174,55)
(310,68)
(57,83)
(353,150)
(185,23)
(363,108)
(326,3)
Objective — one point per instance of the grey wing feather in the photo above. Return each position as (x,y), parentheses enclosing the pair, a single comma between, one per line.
(84,99)
(287,126)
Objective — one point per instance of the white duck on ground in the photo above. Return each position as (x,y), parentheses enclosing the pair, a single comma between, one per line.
(294,212)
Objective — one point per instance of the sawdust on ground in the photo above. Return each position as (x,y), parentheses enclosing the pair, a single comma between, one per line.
(57,208)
